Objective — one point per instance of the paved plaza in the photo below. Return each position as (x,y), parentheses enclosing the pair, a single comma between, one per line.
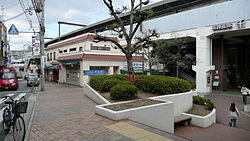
(64,113)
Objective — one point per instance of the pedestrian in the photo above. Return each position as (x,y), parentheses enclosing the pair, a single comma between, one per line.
(233,115)
(245,91)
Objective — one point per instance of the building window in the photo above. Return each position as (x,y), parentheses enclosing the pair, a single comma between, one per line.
(47,56)
(100,48)
(80,49)
(72,49)
(50,56)
(65,50)
(54,55)
(60,51)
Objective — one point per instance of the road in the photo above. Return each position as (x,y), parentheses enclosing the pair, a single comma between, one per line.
(27,117)
(22,88)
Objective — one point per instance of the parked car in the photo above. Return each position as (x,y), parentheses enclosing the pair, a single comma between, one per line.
(8,79)
(32,79)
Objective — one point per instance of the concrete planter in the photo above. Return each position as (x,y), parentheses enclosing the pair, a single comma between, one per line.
(203,121)
(94,95)
(182,101)
(160,116)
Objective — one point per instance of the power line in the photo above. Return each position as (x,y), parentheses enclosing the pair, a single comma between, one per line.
(26,14)
(37,15)
(14,17)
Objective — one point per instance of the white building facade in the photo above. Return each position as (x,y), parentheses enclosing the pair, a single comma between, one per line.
(75,60)
(221,33)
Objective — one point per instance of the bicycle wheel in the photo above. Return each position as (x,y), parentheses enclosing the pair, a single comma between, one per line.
(6,120)
(19,130)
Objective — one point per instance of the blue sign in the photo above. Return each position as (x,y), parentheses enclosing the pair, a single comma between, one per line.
(94,72)
(13,30)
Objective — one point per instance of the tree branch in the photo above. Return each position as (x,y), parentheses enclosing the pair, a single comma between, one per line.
(118,19)
(105,39)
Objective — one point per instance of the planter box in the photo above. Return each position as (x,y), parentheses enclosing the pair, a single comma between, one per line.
(160,116)
(203,121)
(182,101)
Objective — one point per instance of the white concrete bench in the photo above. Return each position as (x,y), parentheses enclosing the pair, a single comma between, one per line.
(182,119)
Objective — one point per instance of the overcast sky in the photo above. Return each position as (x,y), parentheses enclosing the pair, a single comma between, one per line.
(76,11)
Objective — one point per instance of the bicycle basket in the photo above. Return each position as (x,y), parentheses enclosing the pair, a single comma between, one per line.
(20,107)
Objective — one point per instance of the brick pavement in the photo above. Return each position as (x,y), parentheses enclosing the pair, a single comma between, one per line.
(64,113)
(221,130)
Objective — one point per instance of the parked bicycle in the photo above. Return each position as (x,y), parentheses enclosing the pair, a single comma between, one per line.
(12,117)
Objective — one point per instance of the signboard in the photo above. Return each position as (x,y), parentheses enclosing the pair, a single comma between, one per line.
(13,30)
(71,63)
(134,64)
(241,24)
(94,72)
(222,26)
(216,83)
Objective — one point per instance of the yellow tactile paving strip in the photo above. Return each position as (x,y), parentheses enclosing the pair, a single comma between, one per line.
(136,133)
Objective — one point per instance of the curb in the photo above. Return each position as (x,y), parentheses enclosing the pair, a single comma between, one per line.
(28,129)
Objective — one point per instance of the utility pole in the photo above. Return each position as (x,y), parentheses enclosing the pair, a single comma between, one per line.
(42,54)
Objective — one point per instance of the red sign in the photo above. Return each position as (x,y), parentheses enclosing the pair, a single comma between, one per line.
(58,67)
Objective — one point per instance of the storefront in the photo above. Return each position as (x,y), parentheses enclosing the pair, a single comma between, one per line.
(72,72)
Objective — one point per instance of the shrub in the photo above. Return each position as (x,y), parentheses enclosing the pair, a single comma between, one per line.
(162,84)
(108,84)
(202,101)
(97,80)
(123,91)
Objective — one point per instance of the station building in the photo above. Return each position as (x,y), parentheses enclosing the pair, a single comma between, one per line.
(221,35)
(219,30)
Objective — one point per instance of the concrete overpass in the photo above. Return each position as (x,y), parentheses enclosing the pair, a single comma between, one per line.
(162,8)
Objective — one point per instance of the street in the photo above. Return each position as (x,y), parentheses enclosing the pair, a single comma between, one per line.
(23,89)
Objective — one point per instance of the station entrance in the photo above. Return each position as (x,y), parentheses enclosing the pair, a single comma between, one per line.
(231,57)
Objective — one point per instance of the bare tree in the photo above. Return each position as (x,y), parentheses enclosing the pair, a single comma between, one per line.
(137,16)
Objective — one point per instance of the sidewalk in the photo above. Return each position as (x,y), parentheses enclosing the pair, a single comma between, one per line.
(221,130)
(64,113)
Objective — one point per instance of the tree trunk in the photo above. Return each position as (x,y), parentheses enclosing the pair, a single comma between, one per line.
(150,69)
(177,70)
(164,69)
(131,77)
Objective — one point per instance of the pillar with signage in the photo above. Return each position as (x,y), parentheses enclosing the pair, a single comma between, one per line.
(203,65)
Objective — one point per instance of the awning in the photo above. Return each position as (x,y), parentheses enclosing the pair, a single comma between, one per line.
(50,67)
(71,63)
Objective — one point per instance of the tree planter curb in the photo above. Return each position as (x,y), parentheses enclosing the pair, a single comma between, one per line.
(160,116)
(203,121)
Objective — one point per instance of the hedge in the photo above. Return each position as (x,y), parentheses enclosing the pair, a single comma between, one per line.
(108,84)
(97,80)
(162,85)
(202,101)
(155,84)
(123,91)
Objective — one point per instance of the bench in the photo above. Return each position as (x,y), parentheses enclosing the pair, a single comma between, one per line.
(182,119)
